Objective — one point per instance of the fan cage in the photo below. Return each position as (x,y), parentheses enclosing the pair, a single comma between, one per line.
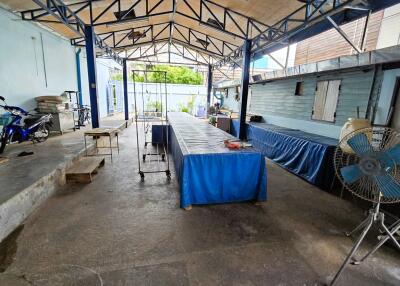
(381,139)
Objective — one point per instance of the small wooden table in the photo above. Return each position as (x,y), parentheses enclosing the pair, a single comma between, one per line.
(102,132)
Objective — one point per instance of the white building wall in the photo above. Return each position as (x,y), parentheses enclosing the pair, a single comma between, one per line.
(33,62)
(389,34)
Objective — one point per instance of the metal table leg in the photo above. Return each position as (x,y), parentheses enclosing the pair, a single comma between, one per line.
(111,153)
(117,143)
(84,137)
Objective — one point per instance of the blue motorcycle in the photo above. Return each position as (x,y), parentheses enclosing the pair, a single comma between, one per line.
(24,126)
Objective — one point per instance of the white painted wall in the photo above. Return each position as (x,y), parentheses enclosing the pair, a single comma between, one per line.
(178,95)
(84,77)
(389,33)
(332,131)
(280,56)
(103,72)
(103,69)
(28,68)
(386,95)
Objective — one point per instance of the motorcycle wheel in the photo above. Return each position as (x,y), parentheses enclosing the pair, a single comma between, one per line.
(3,143)
(44,129)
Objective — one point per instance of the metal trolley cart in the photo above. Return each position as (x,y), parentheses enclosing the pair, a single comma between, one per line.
(152,112)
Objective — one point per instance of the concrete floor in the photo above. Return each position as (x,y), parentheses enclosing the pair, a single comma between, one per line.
(119,231)
(21,172)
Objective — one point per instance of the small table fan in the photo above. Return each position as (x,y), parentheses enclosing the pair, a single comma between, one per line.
(370,171)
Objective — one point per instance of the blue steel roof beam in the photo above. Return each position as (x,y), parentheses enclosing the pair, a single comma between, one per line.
(341,32)
(127,30)
(116,44)
(66,16)
(142,44)
(220,27)
(190,52)
(124,19)
(194,57)
(146,59)
(104,11)
(52,7)
(315,16)
(280,32)
(159,49)
(197,48)
(190,31)
(32,14)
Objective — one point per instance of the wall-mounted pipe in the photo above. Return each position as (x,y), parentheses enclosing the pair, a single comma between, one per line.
(44,60)
(78,74)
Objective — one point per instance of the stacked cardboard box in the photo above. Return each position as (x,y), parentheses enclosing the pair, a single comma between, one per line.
(50,104)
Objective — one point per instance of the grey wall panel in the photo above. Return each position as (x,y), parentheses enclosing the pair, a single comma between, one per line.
(277,98)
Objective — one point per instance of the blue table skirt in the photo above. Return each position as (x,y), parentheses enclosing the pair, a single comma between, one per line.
(211,176)
(159,134)
(307,155)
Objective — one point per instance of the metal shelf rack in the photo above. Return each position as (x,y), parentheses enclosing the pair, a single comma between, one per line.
(152,156)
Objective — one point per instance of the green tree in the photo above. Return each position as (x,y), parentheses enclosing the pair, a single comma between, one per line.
(174,74)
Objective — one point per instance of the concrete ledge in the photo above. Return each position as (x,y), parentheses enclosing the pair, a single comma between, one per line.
(16,209)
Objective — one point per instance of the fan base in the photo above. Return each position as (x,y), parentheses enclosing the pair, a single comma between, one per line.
(375,216)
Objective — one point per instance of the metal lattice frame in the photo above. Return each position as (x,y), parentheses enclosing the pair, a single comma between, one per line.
(265,38)
(68,14)
(309,14)
(206,8)
(151,50)
(187,36)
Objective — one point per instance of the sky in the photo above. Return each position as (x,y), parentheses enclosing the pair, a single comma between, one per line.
(267,62)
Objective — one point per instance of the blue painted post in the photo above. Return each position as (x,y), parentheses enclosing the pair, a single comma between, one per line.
(209,88)
(125,80)
(244,91)
(91,66)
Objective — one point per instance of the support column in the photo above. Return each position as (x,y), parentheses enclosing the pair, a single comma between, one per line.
(125,80)
(209,87)
(91,66)
(244,90)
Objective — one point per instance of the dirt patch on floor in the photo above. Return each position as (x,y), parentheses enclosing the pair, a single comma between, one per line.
(8,248)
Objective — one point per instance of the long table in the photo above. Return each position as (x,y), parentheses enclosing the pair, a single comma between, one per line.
(208,172)
(307,155)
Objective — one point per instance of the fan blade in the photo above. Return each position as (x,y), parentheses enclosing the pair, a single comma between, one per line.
(351,173)
(391,156)
(394,153)
(388,186)
(360,144)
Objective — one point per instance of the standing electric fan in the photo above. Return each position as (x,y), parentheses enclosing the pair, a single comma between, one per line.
(367,163)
